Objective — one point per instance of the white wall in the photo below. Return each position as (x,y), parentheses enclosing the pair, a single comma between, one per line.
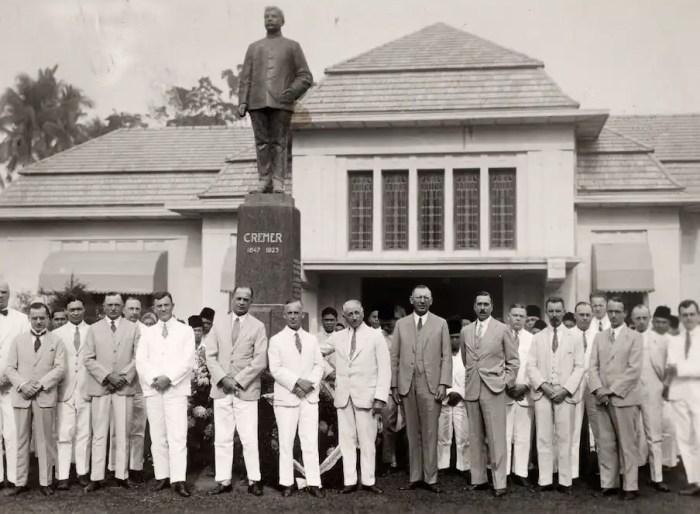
(218,234)
(690,256)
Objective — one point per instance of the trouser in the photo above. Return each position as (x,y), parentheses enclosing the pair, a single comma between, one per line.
(73,432)
(422,417)
(519,421)
(271,131)
(669,446)
(137,435)
(617,446)
(487,421)
(453,420)
(357,427)
(167,421)
(42,419)
(116,410)
(687,416)
(389,415)
(302,419)
(652,423)
(8,435)
(231,414)
(554,426)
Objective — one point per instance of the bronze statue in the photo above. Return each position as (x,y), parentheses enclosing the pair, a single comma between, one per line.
(274,76)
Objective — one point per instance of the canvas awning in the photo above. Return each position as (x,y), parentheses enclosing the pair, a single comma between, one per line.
(102,272)
(228,271)
(622,268)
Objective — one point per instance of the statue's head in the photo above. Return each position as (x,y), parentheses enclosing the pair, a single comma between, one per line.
(274,19)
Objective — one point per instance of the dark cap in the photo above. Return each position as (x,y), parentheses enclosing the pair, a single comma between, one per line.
(539,324)
(533,310)
(662,312)
(207,313)
(385,312)
(454,325)
(569,316)
(194,321)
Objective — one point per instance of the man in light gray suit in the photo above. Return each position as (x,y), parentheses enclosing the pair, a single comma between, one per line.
(491,366)
(421,372)
(236,357)
(614,378)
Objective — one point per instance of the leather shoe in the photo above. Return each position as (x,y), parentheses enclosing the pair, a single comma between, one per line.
(611,491)
(565,489)
(499,492)
(693,490)
(412,486)
(62,485)
(543,488)
(123,483)
(630,495)
(316,492)
(83,480)
(433,488)
(478,487)
(349,489)
(256,488)
(372,489)
(160,485)
(387,470)
(14,491)
(45,490)
(521,481)
(660,486)
(287,491)
(94,485)
(181,489)
(136,476)
(221,489)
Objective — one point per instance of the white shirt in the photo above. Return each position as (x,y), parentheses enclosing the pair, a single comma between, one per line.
(483,325)
(109,321)
(686,384)
(241,319)
(617,331)
(416,317)
(605,321)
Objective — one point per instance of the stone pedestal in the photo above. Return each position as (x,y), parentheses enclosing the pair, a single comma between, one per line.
(268,255)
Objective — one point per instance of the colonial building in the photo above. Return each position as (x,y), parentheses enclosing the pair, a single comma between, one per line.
(438,158)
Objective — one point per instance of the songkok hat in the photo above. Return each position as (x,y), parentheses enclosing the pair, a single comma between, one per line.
(194,321)
(454,325)
(385,312)
(539,324)
(662,312)
(207,313)
(569,316)
(533,310)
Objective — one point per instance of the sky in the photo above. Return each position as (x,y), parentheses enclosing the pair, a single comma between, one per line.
(627,56)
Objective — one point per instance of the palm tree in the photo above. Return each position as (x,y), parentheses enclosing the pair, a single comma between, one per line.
(39,117)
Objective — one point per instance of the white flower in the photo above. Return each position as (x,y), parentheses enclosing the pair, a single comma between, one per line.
(199,412)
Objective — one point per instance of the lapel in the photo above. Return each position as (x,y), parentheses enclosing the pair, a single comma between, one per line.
(470,336)
(45,344)
(619,342)
(423,336)
(229,331)
(345,345)
(359,347)
(119,333)
(488,333)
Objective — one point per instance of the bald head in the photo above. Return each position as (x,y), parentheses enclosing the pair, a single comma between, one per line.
(4,293)
(640,317)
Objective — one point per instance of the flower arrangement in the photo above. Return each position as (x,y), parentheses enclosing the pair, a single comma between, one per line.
(200,415)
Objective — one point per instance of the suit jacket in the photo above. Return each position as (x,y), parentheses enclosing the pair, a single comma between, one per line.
(658,349)
(244,359)
(173,357)
(271,66)
(107,352)
(366,376)
(287,365)
(685,384)
(568,362)
(525,343)
(433,343)
(47,366)
(618,366)
(493,361)
(11,326)
(76,372)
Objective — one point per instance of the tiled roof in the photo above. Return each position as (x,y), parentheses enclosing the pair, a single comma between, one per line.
(610,141)
(687,174)
(97,189)
(237,179)
(437,46)
(438,69)
(152,149)
(674,137)
(622,172)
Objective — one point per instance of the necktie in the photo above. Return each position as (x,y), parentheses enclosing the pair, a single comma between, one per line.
(687,343)
(420,324)
(4,312)
(479,330)
(165,331)
(353,343)
(236,330)
(113,327)
(297,342)
(585,343)
(600,326)
(37,343)
(555,340)
(76,338)
(612,335)
(517,338)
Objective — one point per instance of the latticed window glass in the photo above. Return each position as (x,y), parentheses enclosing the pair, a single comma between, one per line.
(360,200)
(395,219)
(431,208)
(466,208)
(502,193)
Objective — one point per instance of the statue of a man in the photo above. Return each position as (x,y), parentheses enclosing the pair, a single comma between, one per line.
(274,76)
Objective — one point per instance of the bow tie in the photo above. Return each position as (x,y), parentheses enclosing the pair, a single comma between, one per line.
(4,312)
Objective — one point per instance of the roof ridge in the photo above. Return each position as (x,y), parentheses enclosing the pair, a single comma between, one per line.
(663,170)
(650,149)
(667,115)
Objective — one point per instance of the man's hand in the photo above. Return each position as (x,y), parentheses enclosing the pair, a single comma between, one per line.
(453,398)
(396,396)
(287,96)
(228,384)
(559,395)
(305,385)
(30,389)
(242,110)
(518,391)
(161,383)
(377,406)
(299,392)
(440,395)
(603,395)
(547,390)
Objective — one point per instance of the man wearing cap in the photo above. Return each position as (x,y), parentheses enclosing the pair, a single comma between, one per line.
(653,371)
(329,319)
(534,314)
(600,320)
(661,321)
(453,416)
(207,316)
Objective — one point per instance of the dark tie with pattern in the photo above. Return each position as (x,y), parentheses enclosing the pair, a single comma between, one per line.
(4,312)
(76,339)
(612,335)
(600,326)
(165,330)
(687,343)
(297,342)
(37,343)
(420,324)
(353,343)
(236,330)
(555,340)
(113,327)
(585,343)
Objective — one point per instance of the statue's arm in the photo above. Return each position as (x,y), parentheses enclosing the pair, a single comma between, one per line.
(303,78)
(245,78)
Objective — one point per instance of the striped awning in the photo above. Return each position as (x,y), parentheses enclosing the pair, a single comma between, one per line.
(622,268)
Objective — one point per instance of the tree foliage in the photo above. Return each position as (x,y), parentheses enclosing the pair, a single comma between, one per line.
(97,127)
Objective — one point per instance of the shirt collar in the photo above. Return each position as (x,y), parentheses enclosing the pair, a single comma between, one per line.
(292,332)
(416,317)
(617,330)
(241,319)
(484,324)
(40,334)
(109,321)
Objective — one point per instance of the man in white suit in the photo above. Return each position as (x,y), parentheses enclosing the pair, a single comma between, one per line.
(600,320)
(236,357)
(683,379)
(12,323)
(520,414)
(165,361)
(73,429)
(296,365)
(555,367)
(363,378)
(653,371)
(661,323)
